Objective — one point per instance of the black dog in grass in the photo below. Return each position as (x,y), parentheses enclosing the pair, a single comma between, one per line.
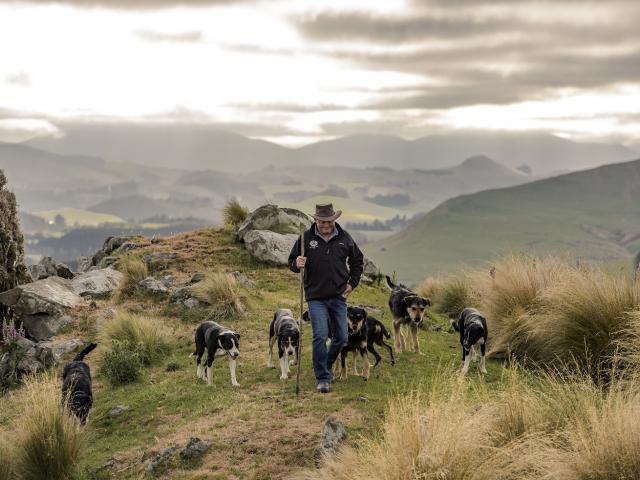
(76,385)
(217,341)
(407,308)
(284,330)
(473,330)
(364,332)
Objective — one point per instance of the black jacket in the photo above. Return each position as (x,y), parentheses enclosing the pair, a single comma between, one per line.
(326,274)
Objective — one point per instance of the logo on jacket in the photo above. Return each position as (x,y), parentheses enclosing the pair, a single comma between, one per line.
(313,244)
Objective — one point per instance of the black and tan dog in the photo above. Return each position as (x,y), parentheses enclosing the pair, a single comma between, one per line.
(76,385)
(364,332)
(218,341)
(284,329)
(407,308)
(473,330)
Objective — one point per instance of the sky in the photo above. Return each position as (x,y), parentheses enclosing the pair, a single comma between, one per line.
(295,72)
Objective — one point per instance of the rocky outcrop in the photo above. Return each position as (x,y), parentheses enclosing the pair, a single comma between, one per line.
(48,267)
(371,273)
(274,219)
(270,247)
(97,283)
(152,286)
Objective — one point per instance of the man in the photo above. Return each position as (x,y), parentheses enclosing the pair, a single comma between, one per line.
(327,284)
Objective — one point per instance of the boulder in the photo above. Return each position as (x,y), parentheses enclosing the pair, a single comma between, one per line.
(168,280)
(244,281)
(371,273)
(48,267)
(159,260)
(194,449)
(181,294)
(113,243)
(98,283)
(64,271)
(108,261)
(161,461)
(153,286)
(43,326)
(191,303)
(29,362)
(270,247)
(275,219)
(84,263)
(333,435)
(49,353)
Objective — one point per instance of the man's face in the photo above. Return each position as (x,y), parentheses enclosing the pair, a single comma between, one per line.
(325,228)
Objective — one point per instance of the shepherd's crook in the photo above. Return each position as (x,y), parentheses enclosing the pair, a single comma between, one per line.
(300,323)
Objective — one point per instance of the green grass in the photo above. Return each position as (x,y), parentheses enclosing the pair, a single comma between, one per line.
(171,406)
(76,216)
(572,214)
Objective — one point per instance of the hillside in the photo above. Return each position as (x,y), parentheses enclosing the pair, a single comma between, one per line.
(259,430)
(193,147)
(592,215)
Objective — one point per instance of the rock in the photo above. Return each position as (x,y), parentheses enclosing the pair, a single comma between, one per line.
(197,277)
(37,272)
(108,261)
(127,247)
(119,410)
(155,240)
(98,283)
(49,353)
(181,294)
(153,286)
(28,363)
(39,305)
(270,247)
(162,460)
(243,280)
(275,219)
(333,435)
(168,280)
(360,398)
(97,257)
(5,366)
(49,265)
(84,263)
(64,271)
(159,260)
(191,303)
(371,273)
(113,243)
(194,449)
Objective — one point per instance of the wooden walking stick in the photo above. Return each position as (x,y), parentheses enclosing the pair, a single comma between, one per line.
(300,322)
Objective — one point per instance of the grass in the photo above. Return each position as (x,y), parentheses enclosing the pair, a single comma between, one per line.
(223,293)
(48,441)
(234,213)
(143,334)
(134,271)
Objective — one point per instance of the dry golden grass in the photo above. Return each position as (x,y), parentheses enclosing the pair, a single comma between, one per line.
(6,460)
(134,270)
(234,213)
(148,336)
(453,295)
(49,441)
(223,293)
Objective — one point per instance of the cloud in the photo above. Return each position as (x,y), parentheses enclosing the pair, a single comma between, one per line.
(193,36)
(21,79)
(135,4)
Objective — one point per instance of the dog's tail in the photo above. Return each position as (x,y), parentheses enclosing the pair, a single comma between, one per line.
(85,351)
(454,324)
(385,332)
(390,282)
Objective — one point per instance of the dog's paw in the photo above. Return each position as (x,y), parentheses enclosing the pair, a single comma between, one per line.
(270,365)
(483,370)
(235,384)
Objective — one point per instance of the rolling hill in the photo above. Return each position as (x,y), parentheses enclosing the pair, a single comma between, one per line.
(593,215)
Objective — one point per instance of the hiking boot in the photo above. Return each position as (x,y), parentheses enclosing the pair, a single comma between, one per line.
(323,387)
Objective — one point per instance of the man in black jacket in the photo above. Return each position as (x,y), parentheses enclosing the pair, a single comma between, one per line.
(327,284)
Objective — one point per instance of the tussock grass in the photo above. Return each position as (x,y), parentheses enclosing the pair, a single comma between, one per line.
(223,293)
(6,460)
(49,441)
(134,270)
(430,287)
(454,295)
(145,335)
(234,213)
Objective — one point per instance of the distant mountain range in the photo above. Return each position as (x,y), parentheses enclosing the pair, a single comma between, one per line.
(592,215)
(204,148)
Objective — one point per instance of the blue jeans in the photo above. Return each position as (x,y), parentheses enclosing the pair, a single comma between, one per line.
(328,320)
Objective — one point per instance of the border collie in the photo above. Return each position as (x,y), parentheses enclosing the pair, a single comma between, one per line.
(285,330)
(364,332)
(473,330)
(218,341)
(76,385)
(407,308)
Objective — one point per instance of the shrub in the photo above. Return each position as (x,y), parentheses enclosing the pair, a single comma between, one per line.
(222,291)
(454,295)
(123,363)
(10,344)
(234,213)
(49,440)
(147,336)
(134,270)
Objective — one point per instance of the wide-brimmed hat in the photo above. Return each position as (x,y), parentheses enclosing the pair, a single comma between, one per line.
(326,213)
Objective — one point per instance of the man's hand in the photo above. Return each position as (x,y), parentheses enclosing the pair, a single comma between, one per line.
(300,262)
(347,290)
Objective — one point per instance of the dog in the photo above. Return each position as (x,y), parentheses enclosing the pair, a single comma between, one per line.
(364,332)
(76,385)
(218,341)
(284,329)
(407,308)
(473,330)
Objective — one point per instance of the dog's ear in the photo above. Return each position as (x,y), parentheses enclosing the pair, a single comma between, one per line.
(364,313)
(349,311)
(237,335)
(427,301)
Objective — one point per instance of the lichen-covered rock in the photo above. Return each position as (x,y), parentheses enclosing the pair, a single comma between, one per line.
(333,436)
(98,283)
(269,247)
(153,286)
(274,219)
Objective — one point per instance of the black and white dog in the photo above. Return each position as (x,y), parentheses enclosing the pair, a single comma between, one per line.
(364,332)
(407,308)
(218,341)
(76,385)
(284,329)
(473,330)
